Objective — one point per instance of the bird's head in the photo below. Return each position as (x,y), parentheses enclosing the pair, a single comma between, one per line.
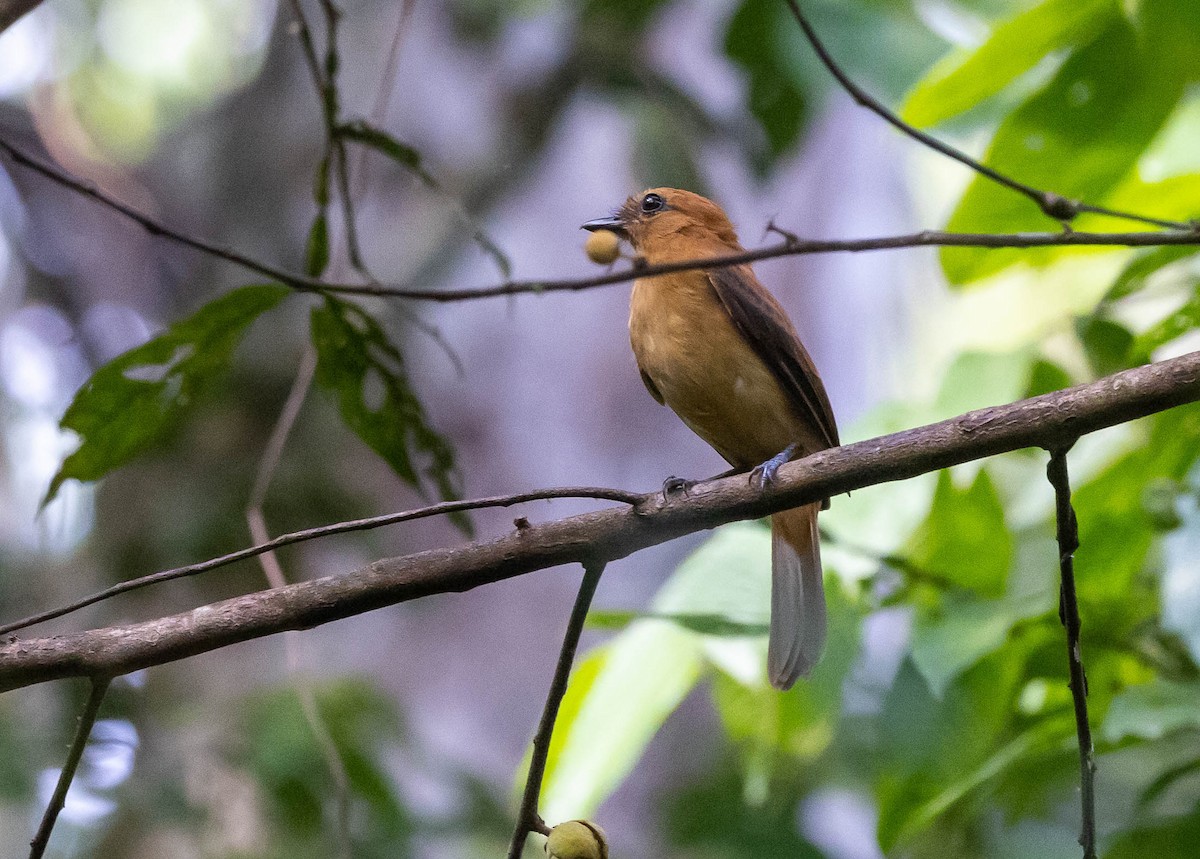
(661,220)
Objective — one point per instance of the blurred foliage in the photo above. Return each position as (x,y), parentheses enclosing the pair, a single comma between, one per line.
(363,369)
(961,739)
(130,404)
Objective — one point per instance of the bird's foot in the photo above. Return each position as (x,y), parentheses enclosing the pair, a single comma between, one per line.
(764,475)
(674,485)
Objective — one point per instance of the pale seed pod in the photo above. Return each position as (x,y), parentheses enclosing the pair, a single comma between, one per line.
(577,839)
(603,247)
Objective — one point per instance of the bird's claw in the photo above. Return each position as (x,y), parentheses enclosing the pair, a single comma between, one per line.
(764,475)
(674,485)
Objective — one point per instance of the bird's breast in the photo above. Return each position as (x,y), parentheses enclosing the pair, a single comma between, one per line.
(686,343)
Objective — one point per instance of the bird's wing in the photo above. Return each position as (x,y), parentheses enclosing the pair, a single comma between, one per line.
(765,327)
(651,387)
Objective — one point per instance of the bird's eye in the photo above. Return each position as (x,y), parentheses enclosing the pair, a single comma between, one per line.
(652,203)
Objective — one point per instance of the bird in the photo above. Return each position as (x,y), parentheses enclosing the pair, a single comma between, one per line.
(717,348)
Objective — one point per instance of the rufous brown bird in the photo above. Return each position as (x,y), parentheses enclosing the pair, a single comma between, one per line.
(716,347)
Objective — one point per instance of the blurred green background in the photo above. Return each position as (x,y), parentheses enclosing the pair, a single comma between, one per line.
(939,723)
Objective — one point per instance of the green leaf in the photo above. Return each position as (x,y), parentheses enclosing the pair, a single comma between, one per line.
(803,721)
(1046,377)
(965,540)
(133,402)
(966,78)
(1040,738)
(774,98)
(358,364)
(1116,531)
(979,379)
(705,624)
(410,159)
(618,698)
(1186,318)
(935,751)
(1078,136)
(382,142)
(964,633)
(290,765)
(621,693)
(316,249)
(1107,344)
(1175,838)
(1145,265)
(1151,711)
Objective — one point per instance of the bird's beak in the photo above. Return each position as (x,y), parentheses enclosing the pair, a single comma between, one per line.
(612,223)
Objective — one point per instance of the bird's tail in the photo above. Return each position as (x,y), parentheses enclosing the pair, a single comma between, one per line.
(797,596)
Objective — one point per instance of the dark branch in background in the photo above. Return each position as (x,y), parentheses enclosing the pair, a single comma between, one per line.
(442,508)
(12,10)
(1068,612)
(1053,205)
(791,246)
(528,819)
(1048,421)
(58,799)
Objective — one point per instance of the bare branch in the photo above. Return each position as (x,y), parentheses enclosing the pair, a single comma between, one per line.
(442,508)
(1067,529)
(528,819)
(12,10)
(790,247)
(1048,421)
(1052,205)
(37,847)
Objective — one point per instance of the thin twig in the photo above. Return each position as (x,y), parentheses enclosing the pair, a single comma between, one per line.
(790,247)
(442,508)
(1053,205)
(528,819)
(58,799)
(383,95)
(273,570)
(13,10)
(1068,612)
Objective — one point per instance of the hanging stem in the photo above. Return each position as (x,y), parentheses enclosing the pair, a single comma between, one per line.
(1068,612)
(528,819)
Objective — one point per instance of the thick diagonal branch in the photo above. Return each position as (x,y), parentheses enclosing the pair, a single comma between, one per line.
(1048,421)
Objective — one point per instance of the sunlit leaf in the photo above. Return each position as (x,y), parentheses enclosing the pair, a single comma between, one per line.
(1144,266)
(966,78)
(622,692)
(1078,136)
(133,402)
(367,373)
(803,721)
(619,696)
(705,624)
(1184,319)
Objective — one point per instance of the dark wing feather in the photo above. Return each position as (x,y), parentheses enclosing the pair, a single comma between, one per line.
(651,387)
(763,324)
